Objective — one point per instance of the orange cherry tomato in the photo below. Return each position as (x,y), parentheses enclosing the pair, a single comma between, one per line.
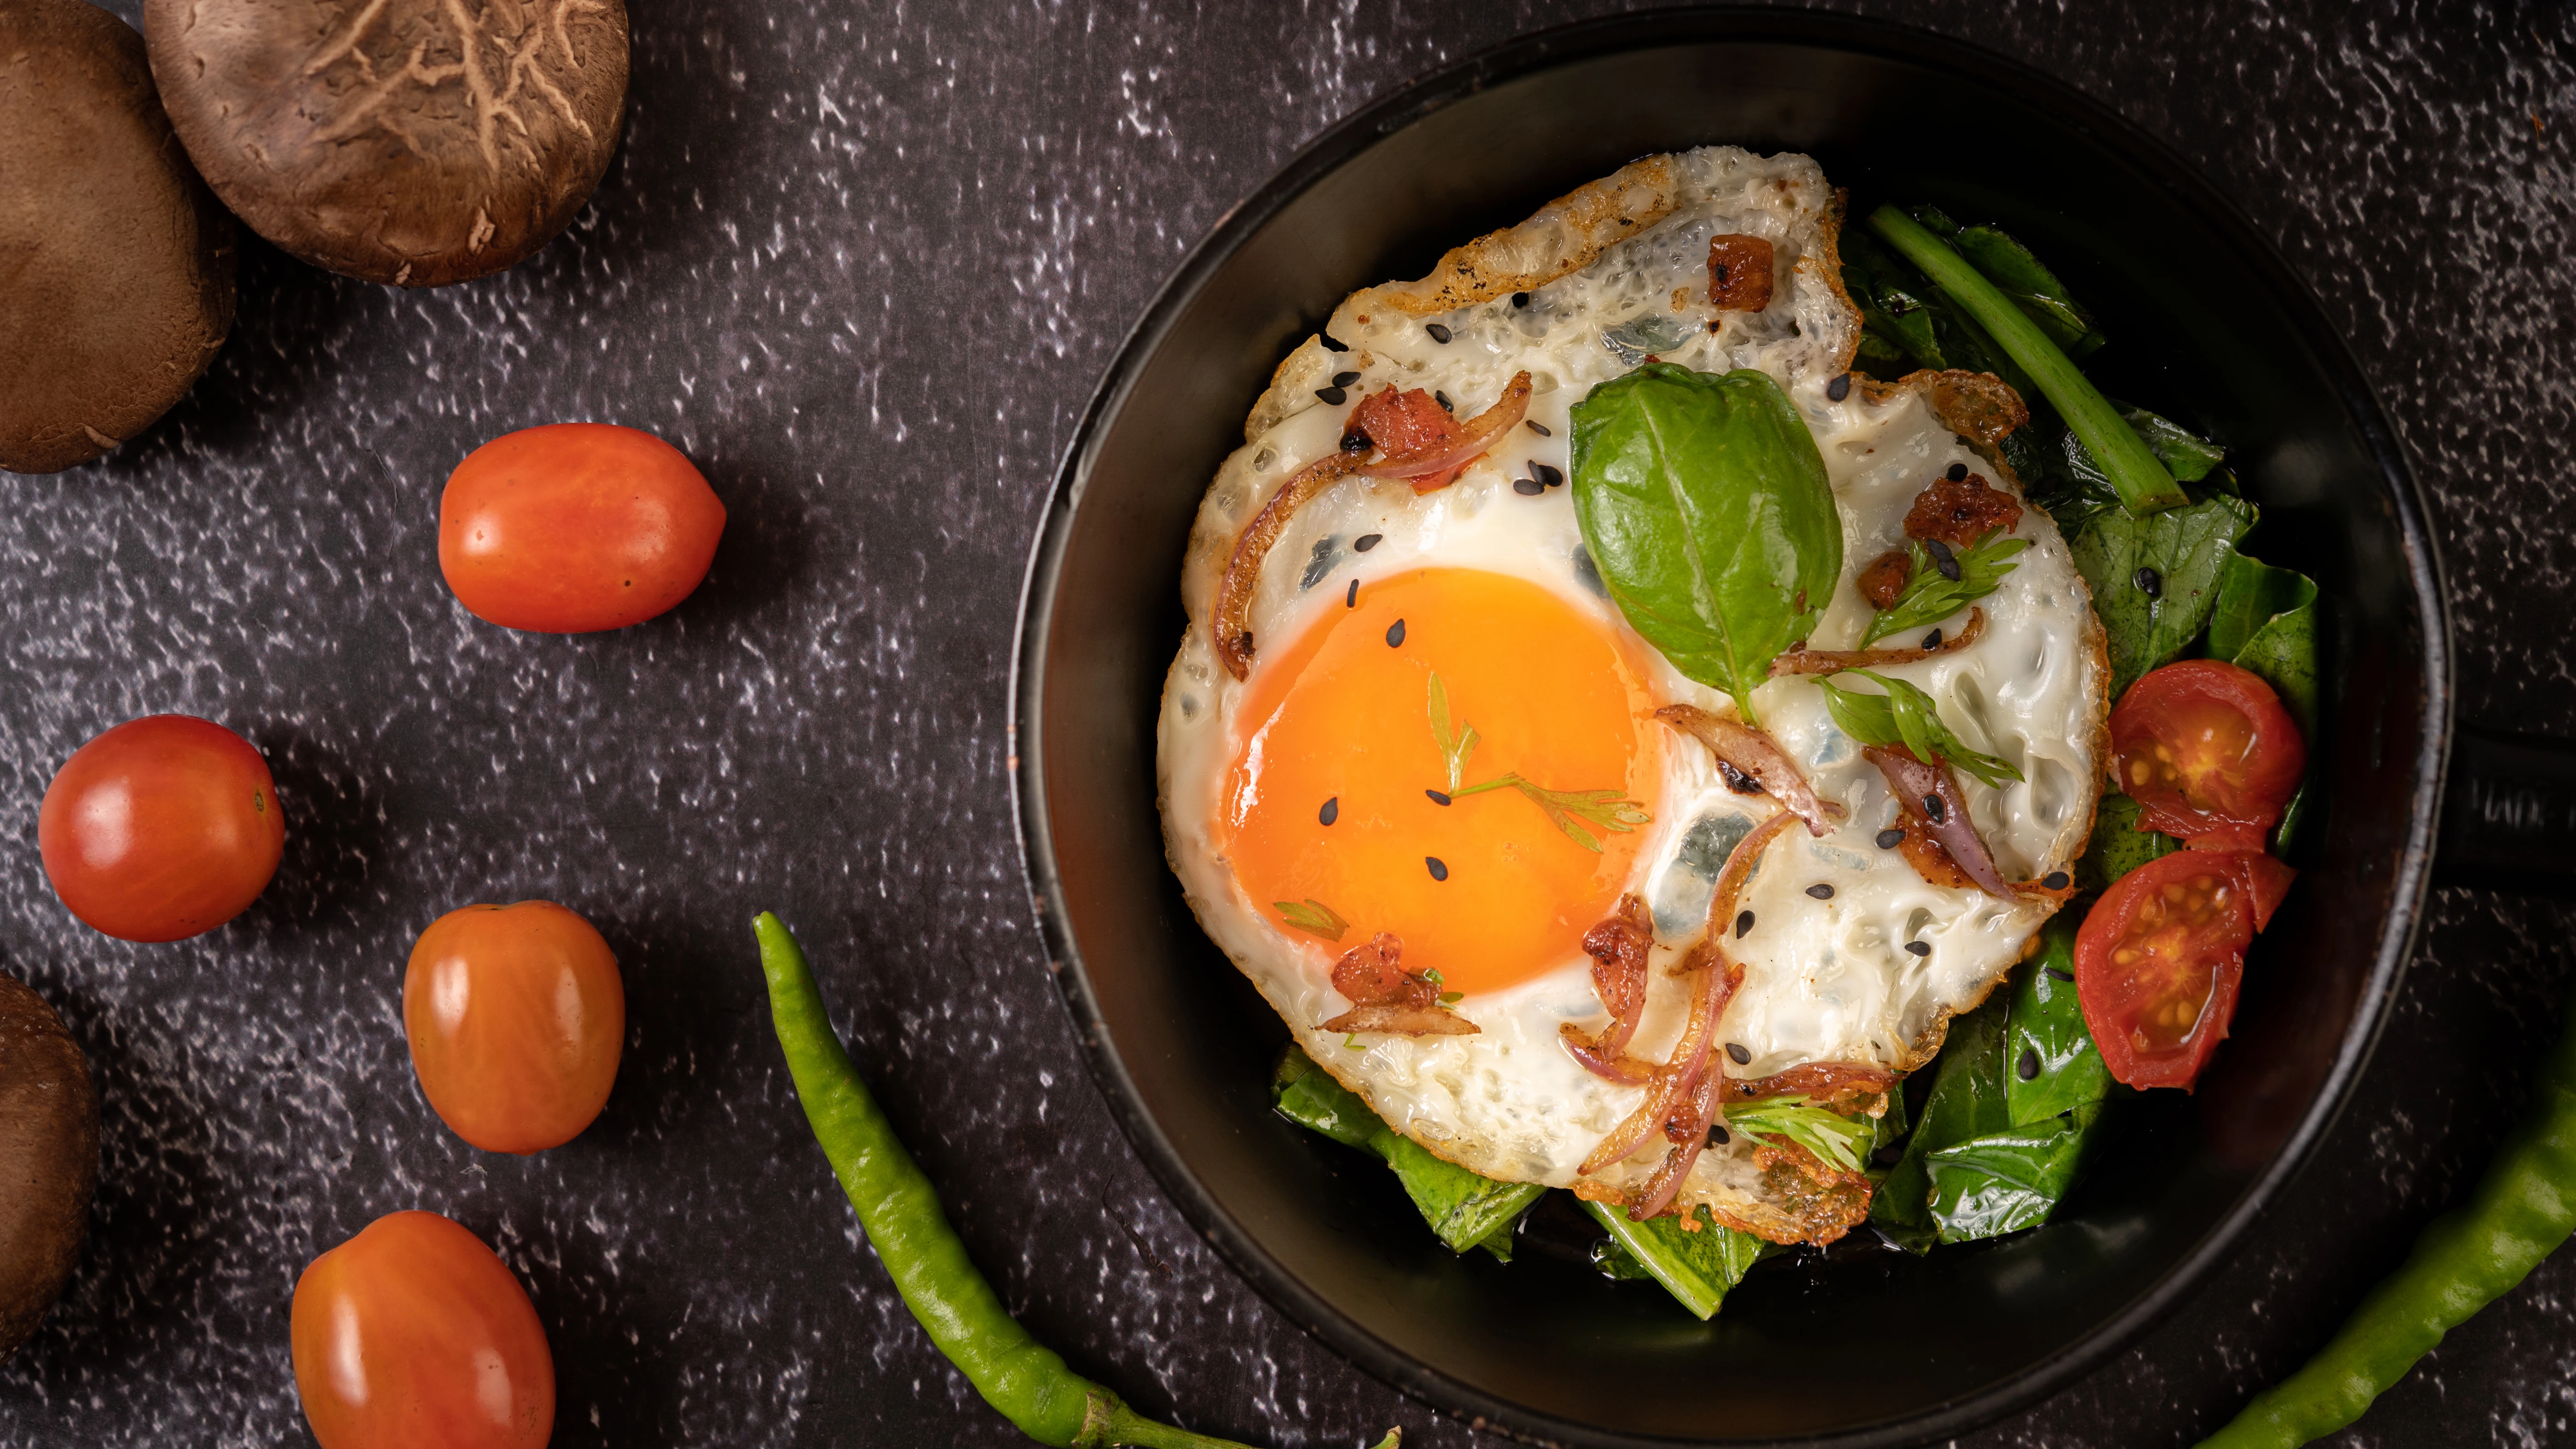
(2159,958)
(516,1018)
(2207,751)
(574,527)
(162,828)
(412,1334)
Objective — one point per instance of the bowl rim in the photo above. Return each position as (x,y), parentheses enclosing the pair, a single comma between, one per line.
(1546,49)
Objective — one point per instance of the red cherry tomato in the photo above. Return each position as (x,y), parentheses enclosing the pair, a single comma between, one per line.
(516,1018)
(162,828)
(575,527)
(2158,960)
(412,1333)
(2208,753)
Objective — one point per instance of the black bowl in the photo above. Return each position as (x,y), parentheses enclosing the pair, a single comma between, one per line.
(1847,1348)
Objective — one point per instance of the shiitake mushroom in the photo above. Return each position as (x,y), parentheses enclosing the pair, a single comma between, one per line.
(412,142)
(116,265)
(48,1156)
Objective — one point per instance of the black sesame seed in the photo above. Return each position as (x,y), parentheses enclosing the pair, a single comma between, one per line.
(1918,948)
(1932,805)
(1958,473)
(1738,781)
(1890,838)
(1717,1135)
(1366,541)
(1332,346)
(2150,583)
(1439,868)
(1942,558)
(1743,923)
(2059,975)
(1548,475)
(1351,600)
(1331,812)
(1932,640)
(2028,1067)
(1528,487)
(1436,797)
(2055,880)
(1395,635)
(1520,299)
(1446,405)
(1736,1053)
(1438,332)
(1345,379)
(1333,395)
(1535,426)
(1839,388)
(1821,891)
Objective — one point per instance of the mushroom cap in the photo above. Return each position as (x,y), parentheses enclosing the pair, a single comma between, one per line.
(48,1158)
(410,142)
(116,261)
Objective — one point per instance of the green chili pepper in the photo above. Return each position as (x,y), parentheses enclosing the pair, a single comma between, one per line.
(897,1207)
(2517,1215)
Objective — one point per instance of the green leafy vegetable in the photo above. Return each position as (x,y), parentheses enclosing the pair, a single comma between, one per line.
(1931,597)
(1842,1141)
(2266,621)
(2031,285)
(1704,505)
(1967,1101)
(1906,716)
(1313,916)
(2186,550)
(1697,1268)
(1455,745)
(1895,307)
(2044,1029)
(1465,1209)
(2144,485)
(1607,809)
(2006,1181)
(2189,455)
(2118,845)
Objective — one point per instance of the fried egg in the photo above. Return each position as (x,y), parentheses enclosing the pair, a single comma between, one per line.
(1410,648)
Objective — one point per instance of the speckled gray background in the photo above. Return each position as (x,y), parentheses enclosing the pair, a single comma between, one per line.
(864,263)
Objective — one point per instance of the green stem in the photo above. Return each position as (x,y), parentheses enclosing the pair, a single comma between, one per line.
(2145,487)
(1505,781)
(1124,1425)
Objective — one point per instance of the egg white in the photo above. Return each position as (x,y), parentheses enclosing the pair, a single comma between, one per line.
(1616,265)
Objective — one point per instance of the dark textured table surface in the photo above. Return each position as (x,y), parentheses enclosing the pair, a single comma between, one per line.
(864,263)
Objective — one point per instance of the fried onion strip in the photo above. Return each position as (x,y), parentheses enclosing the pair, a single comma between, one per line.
(1831,661)
(1752,752)
(1921,787)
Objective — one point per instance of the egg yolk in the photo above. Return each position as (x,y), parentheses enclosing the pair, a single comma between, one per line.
(1335,807)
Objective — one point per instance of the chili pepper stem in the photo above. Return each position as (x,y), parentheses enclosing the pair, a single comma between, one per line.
(1121,1425)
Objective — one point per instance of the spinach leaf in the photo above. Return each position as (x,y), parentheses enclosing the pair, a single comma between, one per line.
(2046,1033)
(1894,301)
(2031,286)
(1930,597)
(1704,505)
(1906,716)
(2189,456)
(1465,1209)
(1697,1268)
(2266,621)
(2082,492)
(2118,846)
(1967,1101)
(2005,1181)
(2184,550)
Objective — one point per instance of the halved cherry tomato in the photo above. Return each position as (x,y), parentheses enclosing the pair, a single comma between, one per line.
(162,828)
(2207,751)
(2158,960)
(575,527)
(413,1333)
(516,1018)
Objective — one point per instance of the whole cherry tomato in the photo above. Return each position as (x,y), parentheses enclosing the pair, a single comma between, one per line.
(516,1018)
(2159,959)
(2207,751)
(574,527)
(162,828)
(413,1334)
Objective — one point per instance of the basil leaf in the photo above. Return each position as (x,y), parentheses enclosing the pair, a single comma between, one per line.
(1705,507)
(2046,1032)
(1697,1268)
(1929,597)
(2006,1181)
(2188,548)
(2266,621)
(1466,1210)
(2032,286)
(2118,846)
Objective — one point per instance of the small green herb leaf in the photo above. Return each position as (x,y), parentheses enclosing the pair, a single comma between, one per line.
(1930,598)
(1314,917)
(1906,716)
(1837,1139)
(1607,809)
(1455,746)
(1705,506)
